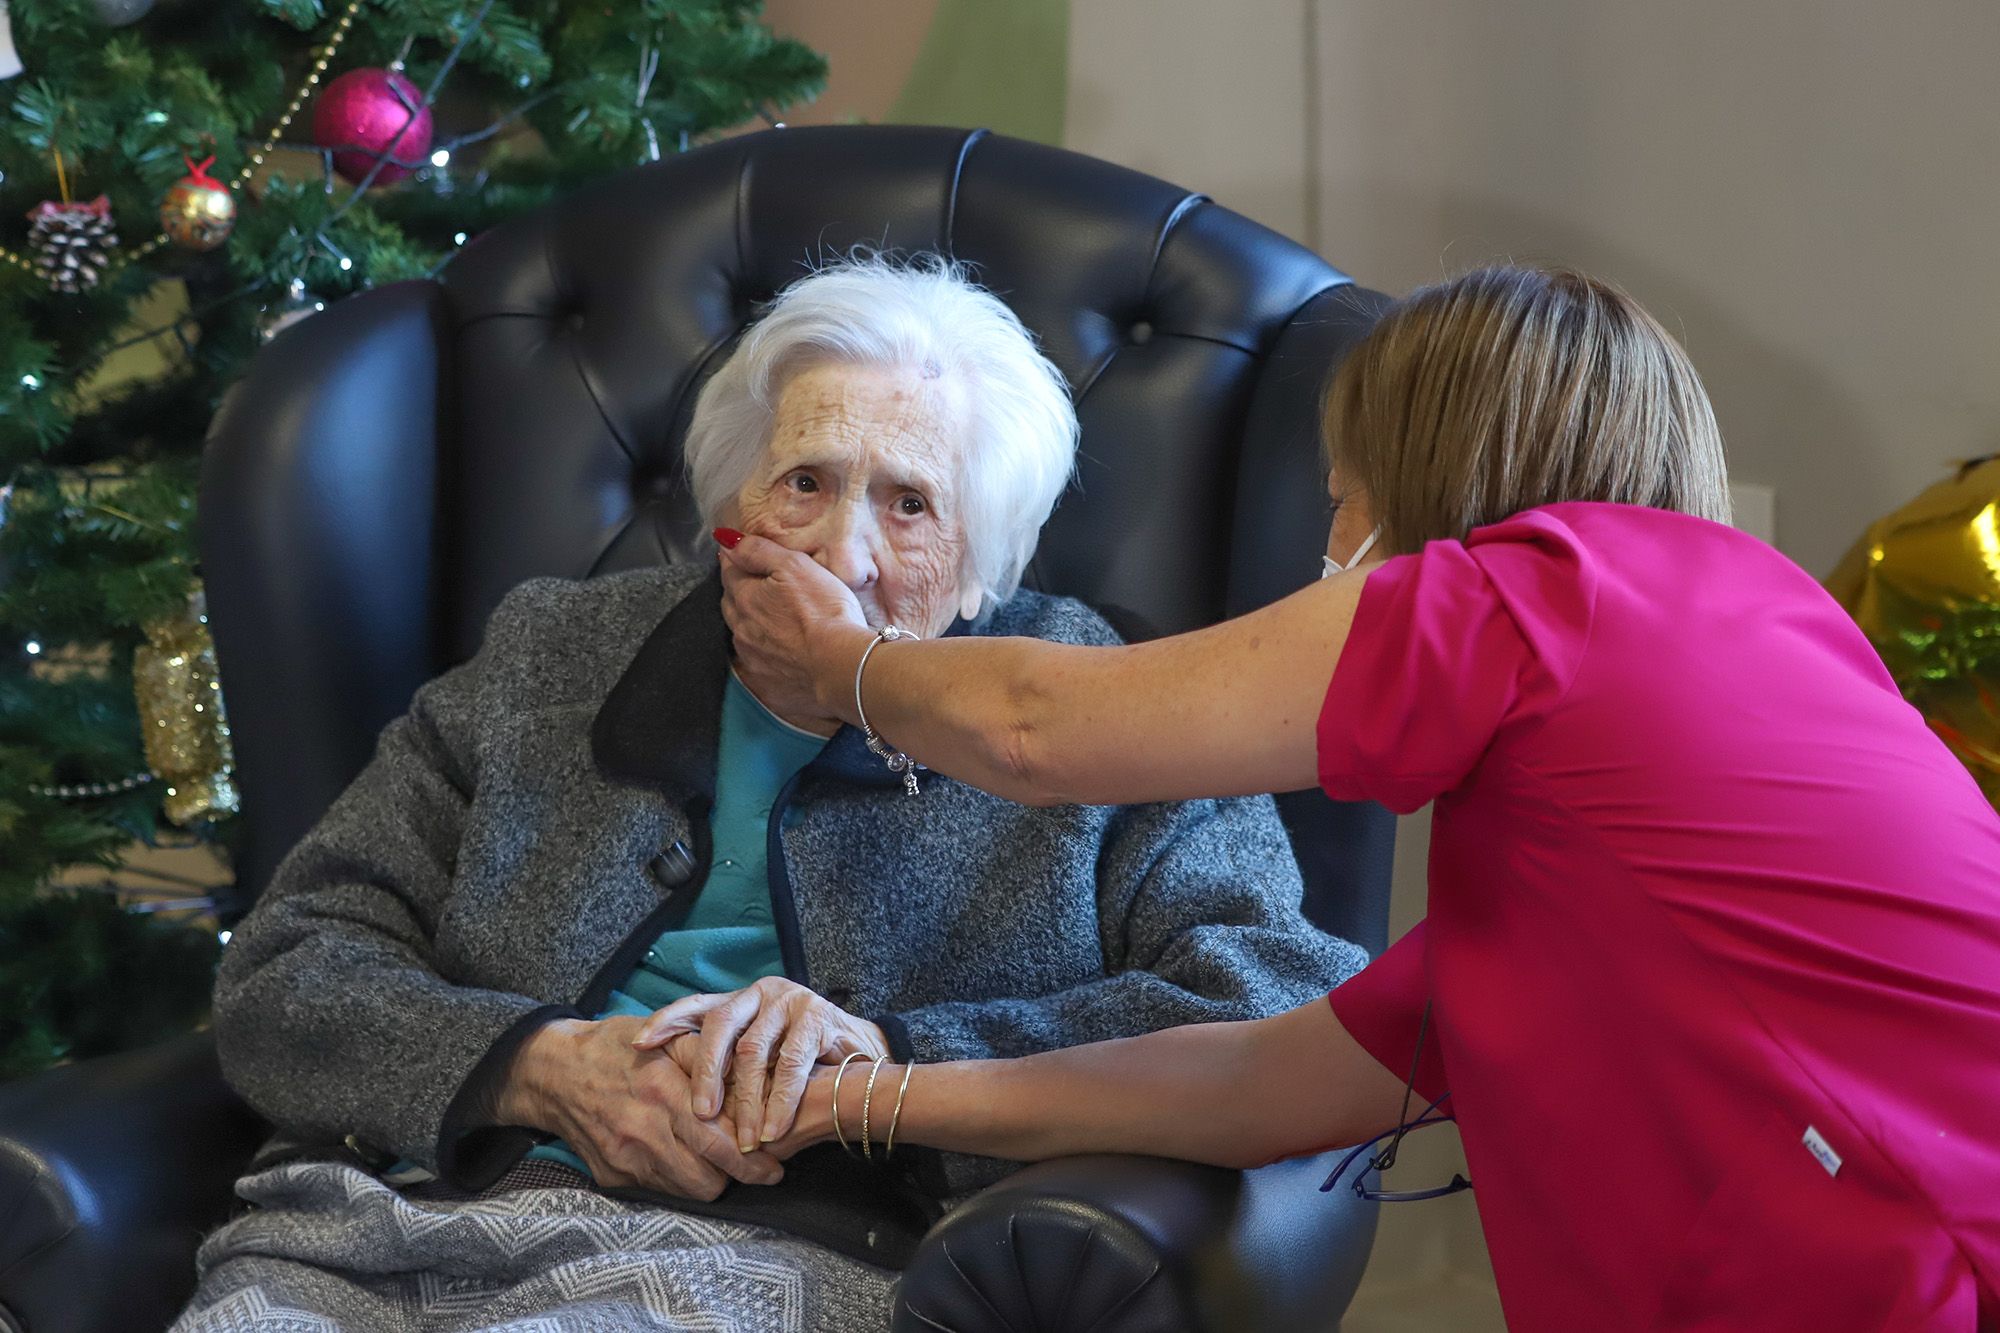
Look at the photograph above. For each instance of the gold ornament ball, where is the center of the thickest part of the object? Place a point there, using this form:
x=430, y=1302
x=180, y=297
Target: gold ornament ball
x=198, y=213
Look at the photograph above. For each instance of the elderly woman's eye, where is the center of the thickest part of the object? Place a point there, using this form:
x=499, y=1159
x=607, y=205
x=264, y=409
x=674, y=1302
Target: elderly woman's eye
x=911, y=505
x=803, y=482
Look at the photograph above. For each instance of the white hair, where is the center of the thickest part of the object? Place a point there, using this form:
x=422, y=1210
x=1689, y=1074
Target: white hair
x=1019, y=445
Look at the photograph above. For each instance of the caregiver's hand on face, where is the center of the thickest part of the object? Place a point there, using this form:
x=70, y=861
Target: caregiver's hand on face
x=782, y=605
x=627, y=1112
x=764, y=1040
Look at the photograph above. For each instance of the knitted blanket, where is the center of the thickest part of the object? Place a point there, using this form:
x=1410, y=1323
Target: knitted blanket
x=329, y=1247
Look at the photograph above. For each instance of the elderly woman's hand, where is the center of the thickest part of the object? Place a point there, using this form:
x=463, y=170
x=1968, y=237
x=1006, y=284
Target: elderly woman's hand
x=782, y=606
x=627, y=1112
x=765, y=1040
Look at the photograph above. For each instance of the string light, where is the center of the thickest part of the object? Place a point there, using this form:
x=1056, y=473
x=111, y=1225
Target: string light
x=32, y=647
x=442, y=157
x=31, y=381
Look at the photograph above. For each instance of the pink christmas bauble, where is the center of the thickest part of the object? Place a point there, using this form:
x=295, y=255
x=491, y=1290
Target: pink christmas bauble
x=363, y=112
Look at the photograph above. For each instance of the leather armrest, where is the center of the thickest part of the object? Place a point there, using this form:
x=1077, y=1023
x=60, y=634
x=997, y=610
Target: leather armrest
x=110, y=1172
x=1112, y=1244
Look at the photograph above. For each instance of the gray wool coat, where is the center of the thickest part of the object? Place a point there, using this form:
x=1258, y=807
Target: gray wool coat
x=539, y=816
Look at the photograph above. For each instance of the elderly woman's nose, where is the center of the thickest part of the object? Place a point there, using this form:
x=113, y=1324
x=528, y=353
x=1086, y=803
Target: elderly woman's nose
x=848, y=553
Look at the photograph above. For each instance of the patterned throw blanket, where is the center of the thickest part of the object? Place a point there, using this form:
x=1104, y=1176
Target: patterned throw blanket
x=327, y=1246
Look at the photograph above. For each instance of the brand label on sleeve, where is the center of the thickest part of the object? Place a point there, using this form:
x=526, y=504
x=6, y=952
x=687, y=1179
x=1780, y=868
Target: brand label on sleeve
x=1822, y=1151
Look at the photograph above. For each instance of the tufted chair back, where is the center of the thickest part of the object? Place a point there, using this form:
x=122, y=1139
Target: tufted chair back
x=390, y=468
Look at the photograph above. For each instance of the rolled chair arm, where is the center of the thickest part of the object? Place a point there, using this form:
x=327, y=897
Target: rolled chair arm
x=110, y=1172
x=1118, y=1244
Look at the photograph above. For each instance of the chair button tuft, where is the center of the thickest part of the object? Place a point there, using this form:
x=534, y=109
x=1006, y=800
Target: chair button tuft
x=1141, y=331
x=654, y=484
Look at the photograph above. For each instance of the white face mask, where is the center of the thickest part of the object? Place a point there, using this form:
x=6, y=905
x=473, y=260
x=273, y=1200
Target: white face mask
x=1329, y=566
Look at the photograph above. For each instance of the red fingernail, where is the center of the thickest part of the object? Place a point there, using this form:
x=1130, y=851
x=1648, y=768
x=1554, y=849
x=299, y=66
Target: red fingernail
x=728, y=537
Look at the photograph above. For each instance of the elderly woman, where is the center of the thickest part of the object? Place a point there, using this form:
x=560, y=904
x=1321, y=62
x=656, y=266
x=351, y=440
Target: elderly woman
x=449, y=1000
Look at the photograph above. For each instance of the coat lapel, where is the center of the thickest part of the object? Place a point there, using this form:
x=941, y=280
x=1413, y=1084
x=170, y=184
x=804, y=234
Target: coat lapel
x=661, y=723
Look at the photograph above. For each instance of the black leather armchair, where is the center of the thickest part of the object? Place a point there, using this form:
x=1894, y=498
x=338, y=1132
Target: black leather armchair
x=391, y=467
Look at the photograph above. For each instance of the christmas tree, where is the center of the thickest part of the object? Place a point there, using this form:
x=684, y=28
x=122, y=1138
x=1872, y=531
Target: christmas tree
x=180, y=180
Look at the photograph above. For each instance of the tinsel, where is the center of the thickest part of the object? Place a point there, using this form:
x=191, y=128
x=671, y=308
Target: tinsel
x=182, y=719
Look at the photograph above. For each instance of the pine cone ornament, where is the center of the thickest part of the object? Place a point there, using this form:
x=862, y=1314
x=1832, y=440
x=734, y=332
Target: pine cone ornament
x=72, y=242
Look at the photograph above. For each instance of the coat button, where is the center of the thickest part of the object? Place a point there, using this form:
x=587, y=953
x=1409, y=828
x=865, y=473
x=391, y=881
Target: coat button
x=372, y=1156
x=840, y=995
x=673, y=868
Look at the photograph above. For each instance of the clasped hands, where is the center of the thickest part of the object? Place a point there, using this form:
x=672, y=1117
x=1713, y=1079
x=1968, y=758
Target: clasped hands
x=702, y=1092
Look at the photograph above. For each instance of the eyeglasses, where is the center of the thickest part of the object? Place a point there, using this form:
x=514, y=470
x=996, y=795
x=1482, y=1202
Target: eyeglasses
x=1386, y=1158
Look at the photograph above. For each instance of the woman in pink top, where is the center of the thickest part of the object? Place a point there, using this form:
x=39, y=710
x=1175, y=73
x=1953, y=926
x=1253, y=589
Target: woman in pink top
x=1711, y=974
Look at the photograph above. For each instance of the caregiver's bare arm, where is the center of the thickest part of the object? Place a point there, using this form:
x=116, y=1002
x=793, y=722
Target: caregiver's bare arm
x=1225, y=711
x=1231, y=1094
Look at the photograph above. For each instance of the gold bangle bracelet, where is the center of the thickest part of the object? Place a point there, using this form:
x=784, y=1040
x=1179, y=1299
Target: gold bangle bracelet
x=868, y=1101
x=845, y=1145
x=889, y=1147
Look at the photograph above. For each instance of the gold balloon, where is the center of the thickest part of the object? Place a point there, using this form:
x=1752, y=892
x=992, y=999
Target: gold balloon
x=181, y=714
x=1924, y=585
x=198, y=212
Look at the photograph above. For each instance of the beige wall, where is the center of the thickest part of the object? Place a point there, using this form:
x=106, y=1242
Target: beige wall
x=1210, y=96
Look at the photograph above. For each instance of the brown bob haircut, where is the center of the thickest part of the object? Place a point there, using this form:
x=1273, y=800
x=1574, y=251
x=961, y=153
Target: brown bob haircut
x=1513, y=387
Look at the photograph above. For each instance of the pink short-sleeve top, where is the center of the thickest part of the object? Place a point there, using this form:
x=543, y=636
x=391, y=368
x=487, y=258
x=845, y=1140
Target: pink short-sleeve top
x=1713, y=941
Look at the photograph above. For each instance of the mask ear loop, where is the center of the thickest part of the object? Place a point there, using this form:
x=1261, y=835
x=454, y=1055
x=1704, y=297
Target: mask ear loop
x=1329, y=566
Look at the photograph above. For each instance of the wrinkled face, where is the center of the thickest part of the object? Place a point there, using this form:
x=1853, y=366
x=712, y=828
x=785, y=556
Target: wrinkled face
x=862, y=475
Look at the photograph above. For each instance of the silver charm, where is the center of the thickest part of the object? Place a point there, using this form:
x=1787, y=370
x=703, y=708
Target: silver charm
x=899, y=763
